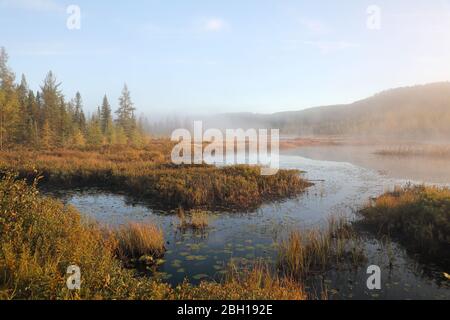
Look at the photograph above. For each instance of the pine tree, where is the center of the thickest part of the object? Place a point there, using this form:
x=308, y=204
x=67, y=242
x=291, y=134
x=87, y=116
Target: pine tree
x=106, y=121
x=79, y=116
x=46, y=120
x=125, y=113
x=24, y=134
x=52, y=104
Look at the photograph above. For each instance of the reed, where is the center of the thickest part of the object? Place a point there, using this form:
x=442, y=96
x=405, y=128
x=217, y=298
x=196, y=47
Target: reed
x=316, y=251
x=257, y=282
x=136, y=240
x=197, y=220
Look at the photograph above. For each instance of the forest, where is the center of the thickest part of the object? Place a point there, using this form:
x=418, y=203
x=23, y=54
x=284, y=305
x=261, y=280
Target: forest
x=46, y=119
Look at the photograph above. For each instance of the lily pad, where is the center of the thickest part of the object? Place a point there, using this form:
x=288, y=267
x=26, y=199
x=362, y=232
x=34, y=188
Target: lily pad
x=200, y=276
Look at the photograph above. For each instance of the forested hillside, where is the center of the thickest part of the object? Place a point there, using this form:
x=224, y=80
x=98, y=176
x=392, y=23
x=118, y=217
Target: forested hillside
x=419, y=112
x=416, y=112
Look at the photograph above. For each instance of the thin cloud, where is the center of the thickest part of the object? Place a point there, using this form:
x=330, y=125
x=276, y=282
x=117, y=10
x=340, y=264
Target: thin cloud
x=215, y=25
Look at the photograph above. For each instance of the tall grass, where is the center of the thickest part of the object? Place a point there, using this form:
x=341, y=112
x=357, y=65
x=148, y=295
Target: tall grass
x=312, y=252
x=258, y=282
x=135, y=240
x=418, y=216
x=148, y=174
x=40, y=238
x=196, y=220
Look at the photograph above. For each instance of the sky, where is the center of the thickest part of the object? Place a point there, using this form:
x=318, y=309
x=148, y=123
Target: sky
x=210, y=56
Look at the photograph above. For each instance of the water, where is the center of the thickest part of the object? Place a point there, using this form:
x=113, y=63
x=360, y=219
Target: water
x=340, y=188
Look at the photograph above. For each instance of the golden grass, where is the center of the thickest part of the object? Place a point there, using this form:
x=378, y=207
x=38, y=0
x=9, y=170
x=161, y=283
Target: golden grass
x=310, y=252
x=40, y=238
x=418, y=216
x=148, y=174
x=135, y=240
x=197, y=220
x=254, y=283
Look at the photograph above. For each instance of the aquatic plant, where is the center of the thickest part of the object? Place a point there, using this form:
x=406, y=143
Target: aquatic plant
x=257, y=282
x=315, y=251
x=197, y=220
x=138, y=240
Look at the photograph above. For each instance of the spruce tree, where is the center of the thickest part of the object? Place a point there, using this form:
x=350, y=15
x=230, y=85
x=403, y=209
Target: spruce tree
x=51, y=104
x=125, y=113
x=79, y=116
x=106, y=120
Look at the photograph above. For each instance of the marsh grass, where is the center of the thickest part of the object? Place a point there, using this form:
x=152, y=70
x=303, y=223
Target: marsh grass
x=313, y=252
x=196, y=220
x=256, y=282
x=417, y=216
x=40, y=238
x=149, y=175
x=136, y=240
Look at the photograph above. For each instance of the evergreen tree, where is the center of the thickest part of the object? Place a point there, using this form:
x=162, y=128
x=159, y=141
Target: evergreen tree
x=106, y=120
x=51, y=104
x=46, y=120
x=125, y=113
x=79, y=116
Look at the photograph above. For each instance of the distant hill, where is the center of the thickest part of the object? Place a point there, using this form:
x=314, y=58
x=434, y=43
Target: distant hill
x=415, y=112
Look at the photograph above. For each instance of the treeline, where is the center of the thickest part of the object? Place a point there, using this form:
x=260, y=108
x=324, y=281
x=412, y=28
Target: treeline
x=45, y=119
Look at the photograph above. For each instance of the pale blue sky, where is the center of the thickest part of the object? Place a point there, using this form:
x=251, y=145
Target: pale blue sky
x=231, y=55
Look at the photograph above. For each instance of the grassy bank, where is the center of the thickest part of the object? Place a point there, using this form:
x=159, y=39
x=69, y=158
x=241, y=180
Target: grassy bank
x=417, y=216
x=148, y=174
x=40, y=238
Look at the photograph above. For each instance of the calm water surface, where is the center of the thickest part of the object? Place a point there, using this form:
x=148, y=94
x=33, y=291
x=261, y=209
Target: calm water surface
x=340, y=188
